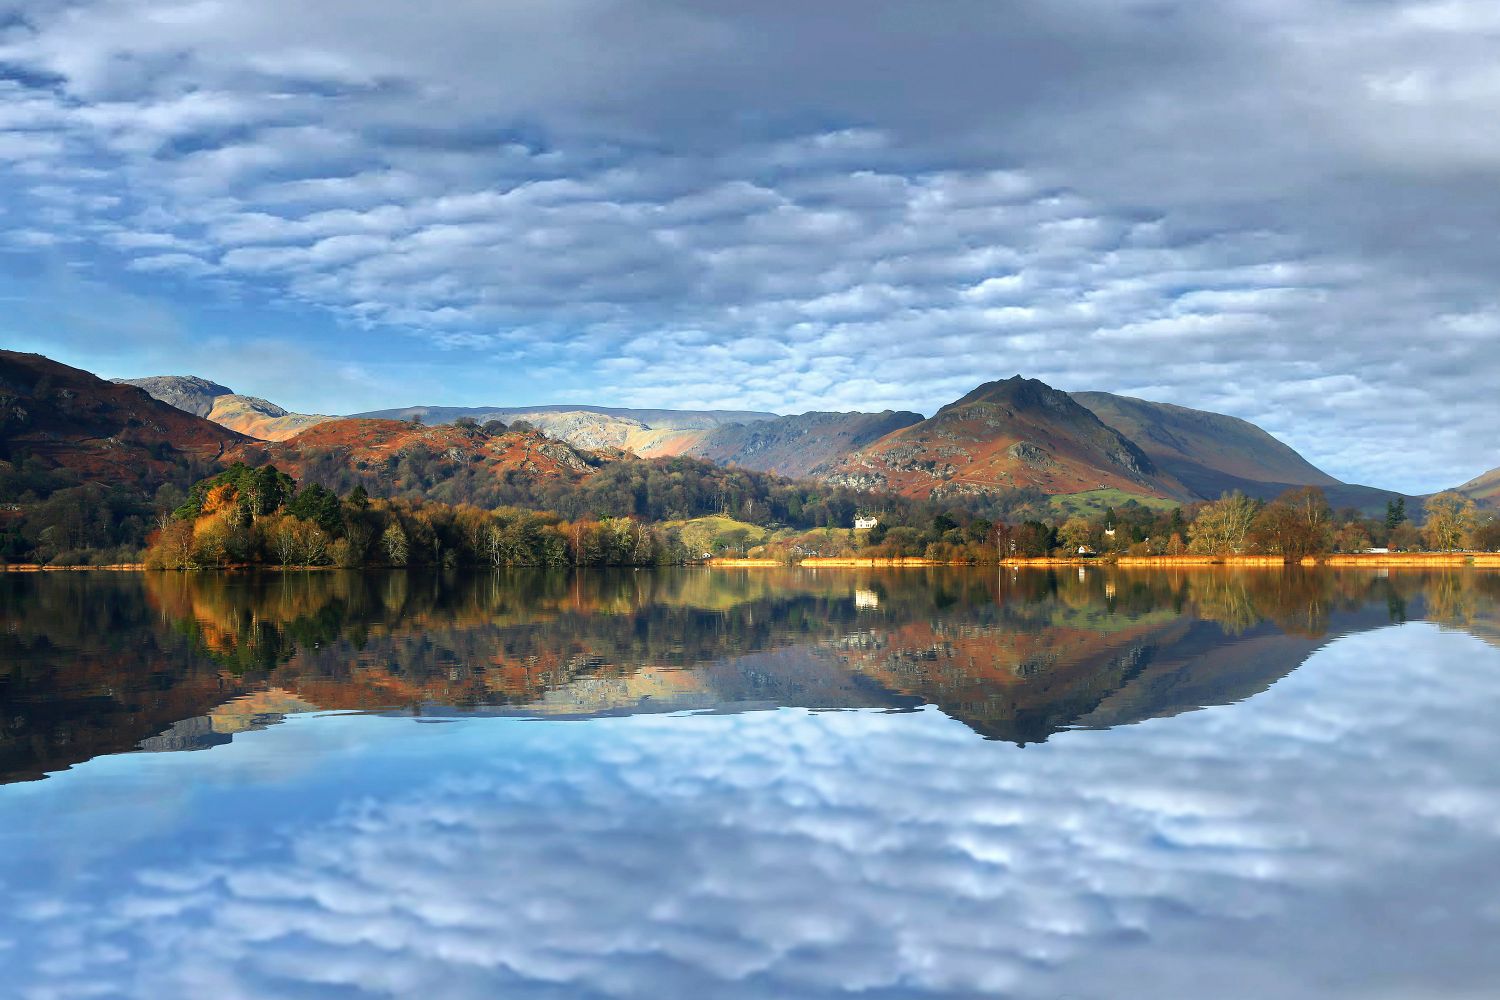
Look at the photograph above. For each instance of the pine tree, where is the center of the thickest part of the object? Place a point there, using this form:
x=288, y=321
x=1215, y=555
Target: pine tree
x=1395, y=512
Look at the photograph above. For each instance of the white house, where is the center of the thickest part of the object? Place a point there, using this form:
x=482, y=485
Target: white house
x=861, y=521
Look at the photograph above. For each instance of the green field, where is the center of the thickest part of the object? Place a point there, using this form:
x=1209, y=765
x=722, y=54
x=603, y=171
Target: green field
x=699, y=533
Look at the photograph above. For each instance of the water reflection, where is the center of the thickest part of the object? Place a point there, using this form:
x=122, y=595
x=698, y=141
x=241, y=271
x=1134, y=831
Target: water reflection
x=1332, y=833
x=105, y=663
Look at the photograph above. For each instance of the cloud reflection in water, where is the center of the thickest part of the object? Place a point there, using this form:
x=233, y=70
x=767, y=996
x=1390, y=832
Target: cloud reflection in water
x=1335, y=836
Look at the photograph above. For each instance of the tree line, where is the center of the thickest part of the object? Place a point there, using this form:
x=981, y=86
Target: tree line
x=261, y=516
x=1297, y=524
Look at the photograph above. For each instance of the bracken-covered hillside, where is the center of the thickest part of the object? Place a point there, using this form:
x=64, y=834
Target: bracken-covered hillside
x=63, y=418
x=449, y=462
x=1016, y=433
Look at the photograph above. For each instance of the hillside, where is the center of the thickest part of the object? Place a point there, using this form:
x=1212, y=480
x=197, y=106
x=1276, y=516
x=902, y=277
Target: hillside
x=258, y=418
x=585, y=429
x=249, y=415
x=1015, y=433
x=1213, y=454
x=1484, y=489
x=59, y=418
x=672, y=420
x=796, y=446
x=447, y=462
x=1208, y=452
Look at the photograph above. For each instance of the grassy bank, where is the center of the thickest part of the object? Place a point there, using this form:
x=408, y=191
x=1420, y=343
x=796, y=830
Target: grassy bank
x=1413, y=560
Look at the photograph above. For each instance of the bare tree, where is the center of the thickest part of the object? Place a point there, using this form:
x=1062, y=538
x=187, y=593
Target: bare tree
x=313, y=543
x=1224, y=525
x=284, y=540
x=1450, y=518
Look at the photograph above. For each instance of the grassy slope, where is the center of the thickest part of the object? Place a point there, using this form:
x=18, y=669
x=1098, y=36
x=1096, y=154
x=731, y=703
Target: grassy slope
x=1095, y=501
x=698, y=534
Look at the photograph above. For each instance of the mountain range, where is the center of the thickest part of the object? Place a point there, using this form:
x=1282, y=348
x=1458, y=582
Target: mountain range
x=1005, y=434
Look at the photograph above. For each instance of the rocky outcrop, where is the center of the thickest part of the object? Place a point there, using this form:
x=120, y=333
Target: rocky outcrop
x=248, y=415
x=188, y=393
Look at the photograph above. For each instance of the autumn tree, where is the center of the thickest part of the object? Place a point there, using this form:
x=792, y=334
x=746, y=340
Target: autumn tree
x=1223, y=526
x=1076, y=533
x=1405, y=538
x=1296, y=524
x=1486, y=536
x=393, y=541
x=173, y=546
x=1351, y=536
x=1450, y=518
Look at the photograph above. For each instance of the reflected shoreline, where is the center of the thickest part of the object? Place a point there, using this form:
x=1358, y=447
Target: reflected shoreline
x=110, y=663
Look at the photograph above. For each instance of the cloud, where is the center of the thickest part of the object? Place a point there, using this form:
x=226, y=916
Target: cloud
x=1215, y=208
x=1327, y=838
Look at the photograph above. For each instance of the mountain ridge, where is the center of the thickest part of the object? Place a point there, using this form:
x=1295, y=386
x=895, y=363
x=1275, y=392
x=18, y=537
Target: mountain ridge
x=1163, y=450
x=1007, y=434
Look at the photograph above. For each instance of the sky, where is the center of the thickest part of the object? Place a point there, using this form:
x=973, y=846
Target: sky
x=1285, y=210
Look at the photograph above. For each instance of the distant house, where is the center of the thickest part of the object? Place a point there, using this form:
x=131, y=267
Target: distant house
x=861, y=521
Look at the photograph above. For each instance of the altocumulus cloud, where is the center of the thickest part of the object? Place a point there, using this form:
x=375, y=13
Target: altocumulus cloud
x=1322, y=840
x=1280, y=210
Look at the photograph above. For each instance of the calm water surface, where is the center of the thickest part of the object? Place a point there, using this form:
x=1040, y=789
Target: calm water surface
x=766, y=784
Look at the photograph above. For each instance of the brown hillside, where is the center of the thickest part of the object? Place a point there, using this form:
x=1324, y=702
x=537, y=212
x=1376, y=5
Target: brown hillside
x=66, y=418
x=1009, y=434
x=259, y=418
x=1484, y=489
x=376, y=449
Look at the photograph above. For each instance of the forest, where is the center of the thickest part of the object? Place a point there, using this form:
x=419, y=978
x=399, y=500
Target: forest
x=628, y=513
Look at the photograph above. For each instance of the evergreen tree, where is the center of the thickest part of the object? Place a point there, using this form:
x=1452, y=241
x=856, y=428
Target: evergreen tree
x=1395, y=512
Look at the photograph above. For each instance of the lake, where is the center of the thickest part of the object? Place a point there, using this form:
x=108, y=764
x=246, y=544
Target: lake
x=757, y=783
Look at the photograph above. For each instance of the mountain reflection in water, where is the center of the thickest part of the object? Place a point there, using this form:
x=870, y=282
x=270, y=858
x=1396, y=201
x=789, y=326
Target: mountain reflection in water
x=610, y=786
x=95, y=664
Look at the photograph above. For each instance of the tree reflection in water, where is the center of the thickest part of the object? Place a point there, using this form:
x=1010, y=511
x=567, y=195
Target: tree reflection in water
x=102, y=663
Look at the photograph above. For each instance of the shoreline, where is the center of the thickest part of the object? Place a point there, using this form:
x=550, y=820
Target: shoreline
x=1409, y=560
